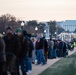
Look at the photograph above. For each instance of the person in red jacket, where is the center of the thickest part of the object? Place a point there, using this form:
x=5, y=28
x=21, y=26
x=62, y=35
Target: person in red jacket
x=40, y=50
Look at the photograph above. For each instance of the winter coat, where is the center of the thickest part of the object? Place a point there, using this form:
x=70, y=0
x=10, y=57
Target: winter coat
x=55, y=44
x=64, y=47
x=42, y=44
x=61, y=45
x=23, y=47
x=30, y=46
x=51, y=44
x=45, y=44
x=39, y=44
x=2, y=50
x=12, y=46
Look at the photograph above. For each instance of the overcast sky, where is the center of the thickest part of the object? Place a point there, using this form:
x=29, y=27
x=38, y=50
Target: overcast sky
x=40, y=9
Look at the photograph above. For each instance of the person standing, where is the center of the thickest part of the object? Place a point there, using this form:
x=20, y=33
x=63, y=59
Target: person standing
x=51, y=48
x=29, y=52
x=61, y=44
x=22, y=52
x=40, y=50
x=34, y=58
x=11, y=50
x=64, y=49
x=55, y=49
x=45, y=47
x=2, y=55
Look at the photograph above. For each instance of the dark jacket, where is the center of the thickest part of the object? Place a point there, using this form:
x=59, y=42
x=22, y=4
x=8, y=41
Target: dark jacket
x=45, y=45
x=12, y=46
x=30, y=46
x=61, y=45
x=22, y=47
x=64, y=47
x=51, y=44
x=55, y=44
x=2, y=50
x=40, y=44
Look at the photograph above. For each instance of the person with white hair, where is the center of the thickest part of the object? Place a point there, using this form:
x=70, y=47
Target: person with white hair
x=40, y=50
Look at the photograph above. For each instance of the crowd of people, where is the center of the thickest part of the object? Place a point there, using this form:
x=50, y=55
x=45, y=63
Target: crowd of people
x=19, y=51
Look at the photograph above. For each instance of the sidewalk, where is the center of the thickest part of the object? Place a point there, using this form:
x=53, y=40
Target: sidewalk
x=37, y=69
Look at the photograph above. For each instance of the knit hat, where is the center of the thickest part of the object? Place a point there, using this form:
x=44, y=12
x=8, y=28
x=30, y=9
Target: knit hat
x=9, y=28
x=19, y=30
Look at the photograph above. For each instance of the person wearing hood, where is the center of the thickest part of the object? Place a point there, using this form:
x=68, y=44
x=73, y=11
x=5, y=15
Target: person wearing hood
x=30, y=48
x=11, y=50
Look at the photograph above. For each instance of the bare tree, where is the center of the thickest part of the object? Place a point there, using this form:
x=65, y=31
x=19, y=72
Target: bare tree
x=8, y=20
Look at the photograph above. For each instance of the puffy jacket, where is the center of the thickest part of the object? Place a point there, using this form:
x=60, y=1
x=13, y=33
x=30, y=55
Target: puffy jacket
x=2, y=50
x=11, y=46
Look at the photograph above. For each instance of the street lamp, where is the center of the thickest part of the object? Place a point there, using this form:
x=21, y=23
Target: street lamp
x=44, y=32
x=36, y=29
x=22, y=25
x=55, y=34
x=3, y=33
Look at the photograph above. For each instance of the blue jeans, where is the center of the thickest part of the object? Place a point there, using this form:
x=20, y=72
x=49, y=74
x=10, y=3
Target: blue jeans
x=51, y=53
x=21, y=63
x=64, y=54
x=28, y=63
x=40, y=56
x=54, y=53
x=34, y=55
x=58, y=52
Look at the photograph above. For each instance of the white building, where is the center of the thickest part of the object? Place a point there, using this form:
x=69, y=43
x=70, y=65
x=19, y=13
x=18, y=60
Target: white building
x=59, y=23
x=69, y=25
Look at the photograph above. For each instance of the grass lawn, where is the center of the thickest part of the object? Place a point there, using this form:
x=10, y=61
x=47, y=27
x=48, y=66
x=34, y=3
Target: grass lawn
x=65, y=66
